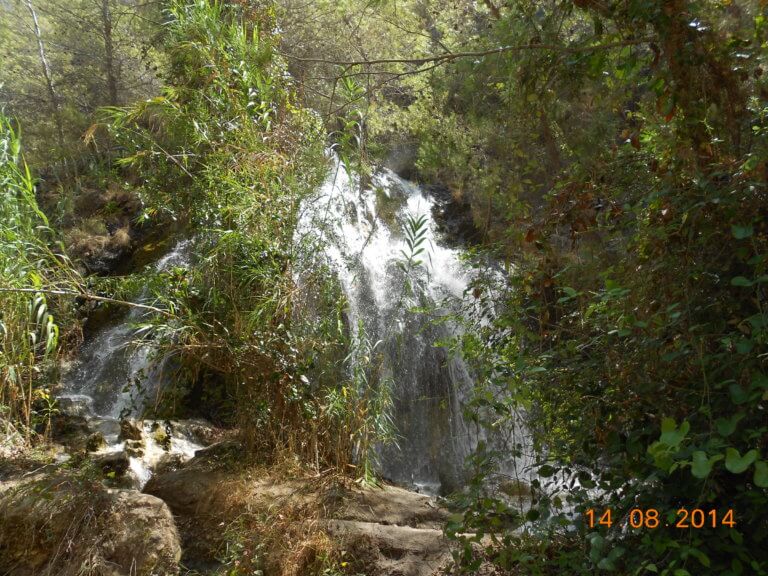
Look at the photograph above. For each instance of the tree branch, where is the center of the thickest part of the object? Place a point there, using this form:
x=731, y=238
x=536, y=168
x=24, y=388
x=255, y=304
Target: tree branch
x=86, y=296
x=449, y=56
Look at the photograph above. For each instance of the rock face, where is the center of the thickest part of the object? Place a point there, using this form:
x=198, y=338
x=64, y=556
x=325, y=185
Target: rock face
x=63, y=522
x=381, y=550
x=67, y=525
x=143, y=534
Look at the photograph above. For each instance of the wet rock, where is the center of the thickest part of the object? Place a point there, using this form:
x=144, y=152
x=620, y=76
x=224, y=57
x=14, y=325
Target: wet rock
x=72, y=431
x=113, y=464
x=227, y=451
x=453, y=216
x=402, y=158
x=95, y=442
x=75, y=405
x=161, y=435
x=168, y=463
x=109, y=428
x=134, y=448
x=198, y=431
x=65, y=524
x=131, y=430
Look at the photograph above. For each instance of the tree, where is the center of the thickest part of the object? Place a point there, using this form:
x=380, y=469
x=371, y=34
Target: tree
x=52, y=95
x=91, y=53
x=109, y=53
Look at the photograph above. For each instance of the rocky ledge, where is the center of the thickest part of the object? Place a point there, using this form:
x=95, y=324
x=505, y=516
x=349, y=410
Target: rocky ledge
x=57, y=522
x=211, y=515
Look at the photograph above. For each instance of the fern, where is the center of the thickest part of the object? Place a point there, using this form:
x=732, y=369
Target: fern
x=415, y=237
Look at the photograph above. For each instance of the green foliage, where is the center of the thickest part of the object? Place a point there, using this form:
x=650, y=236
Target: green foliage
x=98, y=53
x=29, y=335
x=612, y=154
x=226, y=149
x=415, y=232
x=361, y=409
x=351, y=118
x=626, y=190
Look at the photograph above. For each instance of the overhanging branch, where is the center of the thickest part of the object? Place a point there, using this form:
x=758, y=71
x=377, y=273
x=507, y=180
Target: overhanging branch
x=450, y=56
x=87, y=296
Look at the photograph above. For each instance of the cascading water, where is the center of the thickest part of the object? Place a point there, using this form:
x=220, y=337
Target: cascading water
x=359, y=234
x=110, y=370
x=111, y=378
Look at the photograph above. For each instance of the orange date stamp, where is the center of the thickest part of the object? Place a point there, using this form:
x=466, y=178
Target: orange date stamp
x=651, y=518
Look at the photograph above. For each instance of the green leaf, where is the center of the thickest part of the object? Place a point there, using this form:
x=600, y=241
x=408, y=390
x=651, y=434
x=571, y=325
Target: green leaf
x=727, y=426
x=761, y=474
x=546, y=471
x=738, y=395
x=736, y=463
x=741, y=281
x=671, y=435
x=744, y=346
x=702, y=464
x=606, y=564
x=597, y=544
x=661, y=456
x=741, y=232
x=759, y=380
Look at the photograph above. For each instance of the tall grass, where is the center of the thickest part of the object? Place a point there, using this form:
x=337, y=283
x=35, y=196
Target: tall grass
x=29, y=333
x=227, y=149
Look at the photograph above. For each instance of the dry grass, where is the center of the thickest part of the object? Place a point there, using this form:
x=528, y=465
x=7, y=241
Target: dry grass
x=121, y=239
x=269, y=519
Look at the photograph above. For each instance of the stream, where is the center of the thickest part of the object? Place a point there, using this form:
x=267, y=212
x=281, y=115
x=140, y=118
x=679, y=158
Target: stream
x=112, y=379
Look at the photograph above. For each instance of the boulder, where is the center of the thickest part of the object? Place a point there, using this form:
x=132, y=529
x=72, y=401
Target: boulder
x=67, y=524
x=198, y=431
x=75, y=405
x=112, y=464
x=161, y=435
x=142, y=533
x=134, y=448
x=131, y=430
x=95, y=442
x=71, y=430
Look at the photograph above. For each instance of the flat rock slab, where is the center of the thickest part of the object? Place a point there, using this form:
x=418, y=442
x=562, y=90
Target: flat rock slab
x=390, y=550
x=384, y=531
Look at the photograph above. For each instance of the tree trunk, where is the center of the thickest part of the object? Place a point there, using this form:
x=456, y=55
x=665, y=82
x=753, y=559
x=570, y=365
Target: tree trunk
x=52, y=95
x=109, y=62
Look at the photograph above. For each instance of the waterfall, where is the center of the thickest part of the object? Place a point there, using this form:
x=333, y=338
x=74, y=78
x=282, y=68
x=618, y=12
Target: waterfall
x=110, y=380
x=359, y=235
x=111, y=372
